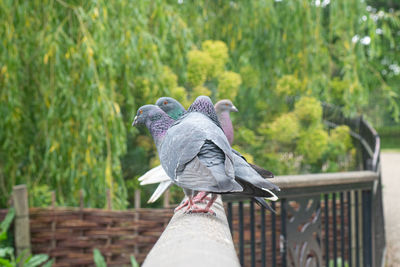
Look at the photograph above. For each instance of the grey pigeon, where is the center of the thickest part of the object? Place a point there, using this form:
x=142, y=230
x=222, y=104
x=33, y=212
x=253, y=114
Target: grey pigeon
x=223, y=108
x=253, y=184
x=220, y=116
x=193, y=151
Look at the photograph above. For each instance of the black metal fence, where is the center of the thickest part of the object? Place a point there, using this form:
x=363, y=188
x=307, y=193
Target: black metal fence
x=335, y=221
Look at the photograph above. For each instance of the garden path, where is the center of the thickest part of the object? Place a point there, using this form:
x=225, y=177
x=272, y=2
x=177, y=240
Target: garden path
x=391, y=202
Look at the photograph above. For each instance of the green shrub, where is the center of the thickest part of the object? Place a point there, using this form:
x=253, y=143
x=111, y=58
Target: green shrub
x=285, y=129
x=312, y=144
x=308, y=110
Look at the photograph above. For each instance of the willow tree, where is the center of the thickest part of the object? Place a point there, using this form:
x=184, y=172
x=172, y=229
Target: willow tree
x=73, y=73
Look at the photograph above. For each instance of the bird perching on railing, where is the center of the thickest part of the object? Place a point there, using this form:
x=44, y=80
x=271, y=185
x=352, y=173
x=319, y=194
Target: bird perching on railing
x=196, y=155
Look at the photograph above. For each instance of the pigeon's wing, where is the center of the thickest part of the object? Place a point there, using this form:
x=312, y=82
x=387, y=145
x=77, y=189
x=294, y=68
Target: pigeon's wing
x=196, y=176
x=251, y=181
x=261, y=171
x=162, y=187
x=186, y=148
x=153, y=176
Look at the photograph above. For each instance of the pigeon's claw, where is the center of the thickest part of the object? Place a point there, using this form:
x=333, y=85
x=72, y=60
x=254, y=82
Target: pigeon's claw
x=184, y=204
x=200, y=210
x=191, y=209
x=200, y=197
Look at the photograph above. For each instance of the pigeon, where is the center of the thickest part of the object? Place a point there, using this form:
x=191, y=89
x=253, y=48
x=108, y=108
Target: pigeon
x=199, y=161
x=222, y=108
x=254, y=185
x=172, y=107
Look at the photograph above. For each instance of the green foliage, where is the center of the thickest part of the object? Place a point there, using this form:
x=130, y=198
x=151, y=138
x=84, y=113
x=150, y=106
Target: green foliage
x=218, y=52
x=73, y=74
x=98, y=258
x=308, y=110
x=389, y=137
x=228, y=84
x=134, y=263
x=312, y=144
x=340, y=140
x=7, y=257
x=40, y=196
x=37, y=260
x=200, y=90
x=301, y=144
x=289, y=85
x=199, y=66
x=5, y=224
x=285, y=129
x=206, y=72
x=100, y=262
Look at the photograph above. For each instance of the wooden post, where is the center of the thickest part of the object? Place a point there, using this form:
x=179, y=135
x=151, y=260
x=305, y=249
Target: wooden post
x=22, y=229
x=81, y=215
x=81, y=202
x=166, y=199
x=109, y=205
x=137, y=199
x=137, y=216
x=53, y=223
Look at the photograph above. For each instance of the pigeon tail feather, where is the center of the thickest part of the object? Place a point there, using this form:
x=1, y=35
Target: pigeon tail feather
x=153, y=176
x=260, y=201
x=162, y=187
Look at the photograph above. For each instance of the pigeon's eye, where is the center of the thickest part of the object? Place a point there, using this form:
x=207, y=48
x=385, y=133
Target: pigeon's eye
x=226, y=104
x=165, y=102
x=140, y=111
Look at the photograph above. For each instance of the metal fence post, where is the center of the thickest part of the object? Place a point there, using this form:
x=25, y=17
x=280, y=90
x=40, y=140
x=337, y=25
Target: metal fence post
x=367, y=228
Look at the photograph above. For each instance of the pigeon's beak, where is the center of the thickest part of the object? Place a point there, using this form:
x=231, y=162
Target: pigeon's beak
x=134, y=123
x=234, y=109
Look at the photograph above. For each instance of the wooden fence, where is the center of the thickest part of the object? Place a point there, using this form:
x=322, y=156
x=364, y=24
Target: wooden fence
x=69, y=235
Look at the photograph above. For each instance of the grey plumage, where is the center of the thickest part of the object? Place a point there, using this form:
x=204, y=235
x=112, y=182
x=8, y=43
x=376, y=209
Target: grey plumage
x=196, y=155
x=210, y=169
x=253, y=184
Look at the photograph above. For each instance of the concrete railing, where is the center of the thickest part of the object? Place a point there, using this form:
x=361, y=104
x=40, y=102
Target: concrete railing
x=195, y=240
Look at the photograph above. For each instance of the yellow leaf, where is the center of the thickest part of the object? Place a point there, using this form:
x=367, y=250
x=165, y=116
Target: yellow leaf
x=108, y=174
x=88, y=158
x=90, y=51
x=116, y=107
x=46, y=59
x=104, y=13
x=3, y=69
x=95, y=13
x=54, y=147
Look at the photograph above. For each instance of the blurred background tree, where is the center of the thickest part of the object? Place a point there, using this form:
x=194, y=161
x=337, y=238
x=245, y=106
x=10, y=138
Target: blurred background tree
x=72, y=75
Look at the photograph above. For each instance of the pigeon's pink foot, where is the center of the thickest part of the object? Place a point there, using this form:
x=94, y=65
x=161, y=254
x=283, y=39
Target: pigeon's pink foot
x=184, y=204
x=207, y=209
x=201, y=197
x=190, y=208
x=199, y=210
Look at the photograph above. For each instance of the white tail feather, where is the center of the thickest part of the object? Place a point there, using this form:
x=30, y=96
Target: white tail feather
x=162, y=187
x=273, y=198
x=153, y=176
